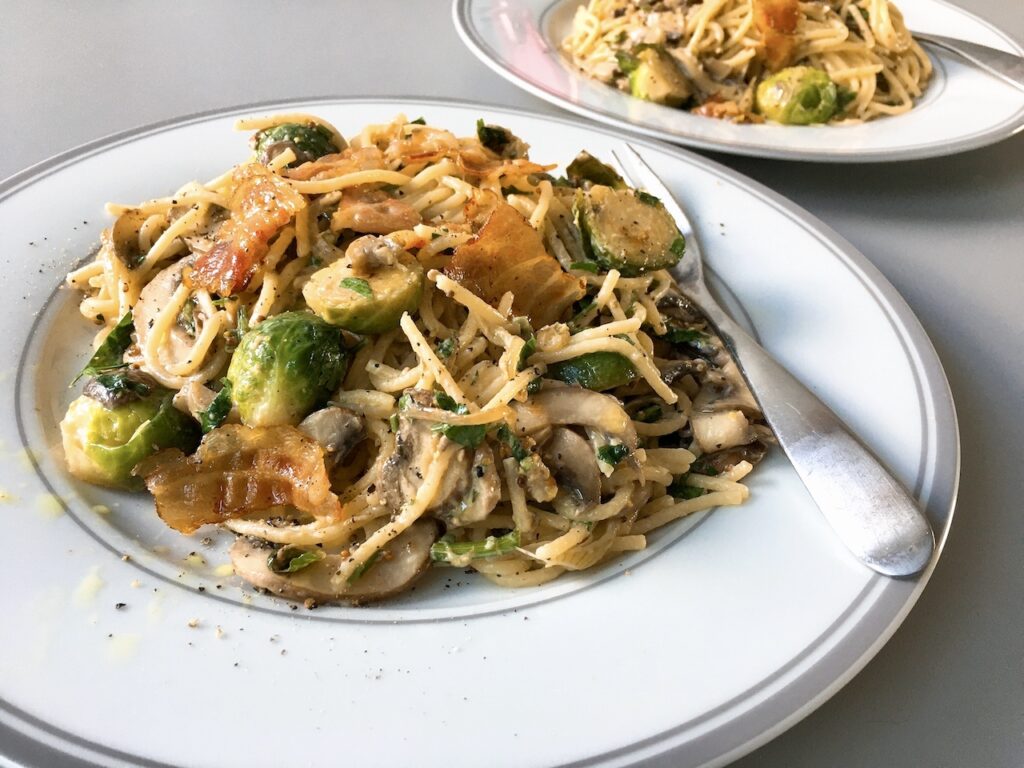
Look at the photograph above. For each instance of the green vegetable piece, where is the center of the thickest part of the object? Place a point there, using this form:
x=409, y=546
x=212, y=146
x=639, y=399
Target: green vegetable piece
x=291, y=558
x=586, y=170
x=648, y=415
x=393, y=290
x=418, y=121
x=308, y=142
x=622, y=232
x=657, y=77
x=109, y=355
x=612, y=454
x=118, y=387
x=103, y=445
x=534, y=386
x=647, y=198
x=693, y=340
x=446, y=347
x=585, y=266
x=528, y=349
x=469, y=435
x=680, y=490
x=285, y=367
x=217, y=411
x=515, y=447
x=357, y=574
x=595, y=370
x=447, y=550
x=798, y=96
x=360, y=286
x=499, y=140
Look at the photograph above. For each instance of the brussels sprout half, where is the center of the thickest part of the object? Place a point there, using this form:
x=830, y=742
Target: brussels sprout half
x=103, y=445
x=366, y=303
x=285, y=367
x=595, y=370
x=308, y=142
x=654, y=75
x=627, y=230
x=798, y=96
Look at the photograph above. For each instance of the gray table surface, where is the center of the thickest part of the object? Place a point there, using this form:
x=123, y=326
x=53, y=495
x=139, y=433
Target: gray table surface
x=948, y=689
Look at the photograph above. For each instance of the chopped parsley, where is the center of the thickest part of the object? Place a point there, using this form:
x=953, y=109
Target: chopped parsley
x=358, y=285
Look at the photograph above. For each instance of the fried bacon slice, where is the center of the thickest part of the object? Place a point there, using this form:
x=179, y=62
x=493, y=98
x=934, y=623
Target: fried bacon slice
x=261, y=205
x=368, y=209
x=509, y=255
x=350, y=160
x=236, y=471
x=777, y=20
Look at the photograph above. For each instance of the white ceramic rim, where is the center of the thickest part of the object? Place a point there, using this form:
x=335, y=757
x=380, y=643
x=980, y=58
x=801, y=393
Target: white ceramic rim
x=476, y=43
x=28, y=740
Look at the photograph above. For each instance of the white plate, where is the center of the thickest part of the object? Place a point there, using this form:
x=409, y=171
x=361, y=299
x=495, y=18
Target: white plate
x=962, y=108
x=694, y=651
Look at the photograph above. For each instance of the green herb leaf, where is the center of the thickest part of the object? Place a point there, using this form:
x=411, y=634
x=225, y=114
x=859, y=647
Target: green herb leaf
x=469, y=435
x=627, y=62
x=358, y=285
x=680, y=490
x=612, y=454
x=515, y=447
x=121, y=386
x=448, y=403
x=494, y=137
x=217, y=411
x=585, y=266
x=648, y=415
x=646, y=197
x=418, y=121
x=357, y=574
x=534, y=386
x=528, y=349
x=678, y=247
x=109, y=356
x=291, y=558
x=446, y=347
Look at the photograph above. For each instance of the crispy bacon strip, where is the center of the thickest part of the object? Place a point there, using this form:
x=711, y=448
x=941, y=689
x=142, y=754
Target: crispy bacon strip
x=236, y=471
x=777, y=20
x=261, y=205
x=509, y=255
x=367, y=209
x=331, y=166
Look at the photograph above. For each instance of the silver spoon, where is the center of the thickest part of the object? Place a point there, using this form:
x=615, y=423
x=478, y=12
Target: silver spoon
x=866, y=506
x=1008, y=67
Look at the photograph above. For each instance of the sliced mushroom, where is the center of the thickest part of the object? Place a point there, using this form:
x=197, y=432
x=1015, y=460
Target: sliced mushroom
x=124, y=237
x=369, y=253
x=338, y=430
x=573, y=464
x=470, y=488
x=403, y=562
x=723, y=461
x=131, y=386
x=572, y=405
x=153, y=298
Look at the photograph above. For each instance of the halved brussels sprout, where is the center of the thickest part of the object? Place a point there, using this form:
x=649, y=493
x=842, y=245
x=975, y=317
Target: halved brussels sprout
x=103, y=445
x=366, y=299
x=798, y=96
x=586, y=170
x=595, y=370
x=654, y=75
x=308, y=142
x=284, y=368
x=627, y=230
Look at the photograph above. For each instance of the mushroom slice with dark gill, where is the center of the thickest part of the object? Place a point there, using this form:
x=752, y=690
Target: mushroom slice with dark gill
x=470, y=488
x=573, y=464
x=337, y=429
x=573, y=405
x=403, y=561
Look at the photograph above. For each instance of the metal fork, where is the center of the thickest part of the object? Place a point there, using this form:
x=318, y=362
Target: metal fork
x=1008, y=67
x=867, y=507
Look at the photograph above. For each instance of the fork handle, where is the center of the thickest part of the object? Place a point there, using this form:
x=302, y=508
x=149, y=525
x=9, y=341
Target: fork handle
x=867, y=507
x=1008, y=67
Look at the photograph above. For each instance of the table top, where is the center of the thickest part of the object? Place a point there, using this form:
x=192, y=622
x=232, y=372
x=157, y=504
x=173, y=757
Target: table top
x=948, y=689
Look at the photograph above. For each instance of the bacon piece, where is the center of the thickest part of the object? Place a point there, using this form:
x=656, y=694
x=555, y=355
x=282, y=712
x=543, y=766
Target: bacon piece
x=370, y=210
x=509, y=255
x=331, y=166
x=236, y=471
x=777, y=21
x=261, y=205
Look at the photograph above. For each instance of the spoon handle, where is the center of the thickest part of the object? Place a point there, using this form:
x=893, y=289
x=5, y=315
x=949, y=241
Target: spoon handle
x=867, y=507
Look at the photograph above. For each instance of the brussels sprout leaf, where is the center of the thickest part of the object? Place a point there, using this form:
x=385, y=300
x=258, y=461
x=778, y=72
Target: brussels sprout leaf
x=109, y=356
x=218, y=410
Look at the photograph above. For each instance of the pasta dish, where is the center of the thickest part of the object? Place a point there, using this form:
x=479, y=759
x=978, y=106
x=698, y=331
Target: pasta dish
x=789, y=61
x=368, y=356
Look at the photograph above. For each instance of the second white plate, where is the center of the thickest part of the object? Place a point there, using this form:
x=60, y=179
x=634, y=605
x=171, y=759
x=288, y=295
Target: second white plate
x=963, y=108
